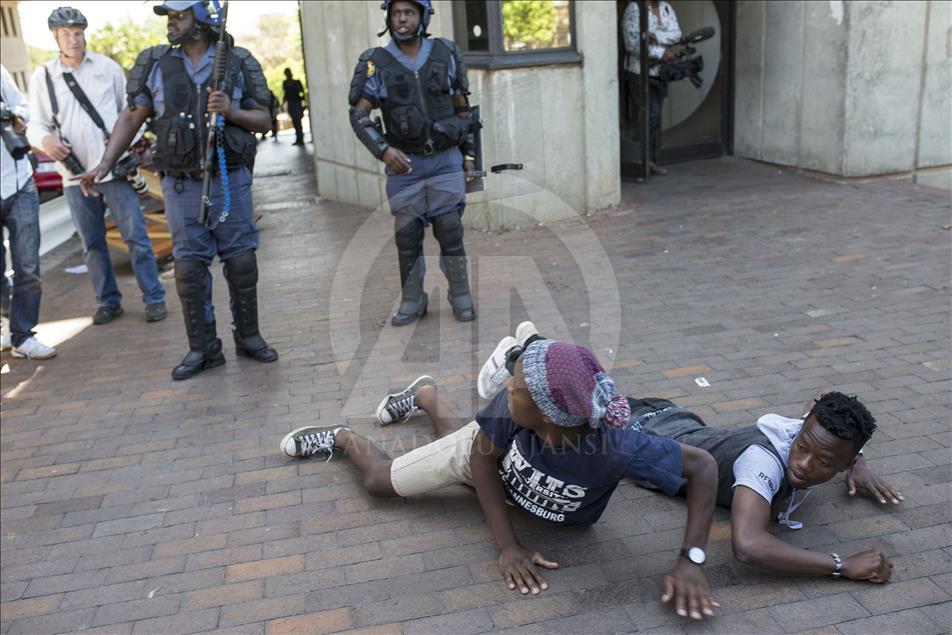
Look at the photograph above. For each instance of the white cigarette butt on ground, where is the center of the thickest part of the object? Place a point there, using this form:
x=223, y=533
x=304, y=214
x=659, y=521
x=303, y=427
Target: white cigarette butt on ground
x=702, y=382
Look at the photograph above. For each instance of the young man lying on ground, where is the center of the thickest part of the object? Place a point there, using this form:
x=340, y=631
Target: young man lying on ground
x=555, y=443
x=762, y=466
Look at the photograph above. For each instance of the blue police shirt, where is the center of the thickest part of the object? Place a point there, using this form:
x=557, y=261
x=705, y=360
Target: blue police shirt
x=374, y=89
x=154, y=97
x=572, y=485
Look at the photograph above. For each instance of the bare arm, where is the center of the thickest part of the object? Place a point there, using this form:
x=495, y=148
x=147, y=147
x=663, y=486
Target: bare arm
x=686, y=583
x=516, y=563
x=753, y=544
x=122, y=135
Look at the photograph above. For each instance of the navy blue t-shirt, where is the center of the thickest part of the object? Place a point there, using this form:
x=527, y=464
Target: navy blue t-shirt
x=572, y=484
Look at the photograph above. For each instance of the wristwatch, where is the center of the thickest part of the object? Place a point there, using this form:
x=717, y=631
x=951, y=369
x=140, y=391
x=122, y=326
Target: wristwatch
x=694, y=554
x=837, y=565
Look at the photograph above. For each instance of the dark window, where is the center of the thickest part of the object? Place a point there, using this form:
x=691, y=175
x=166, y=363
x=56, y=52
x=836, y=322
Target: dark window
x=513, y=33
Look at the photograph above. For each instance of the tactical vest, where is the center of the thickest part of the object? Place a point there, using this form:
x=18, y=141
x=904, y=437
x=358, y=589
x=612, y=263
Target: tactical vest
x=416, y=100
x=725, y=446
x=181, y=132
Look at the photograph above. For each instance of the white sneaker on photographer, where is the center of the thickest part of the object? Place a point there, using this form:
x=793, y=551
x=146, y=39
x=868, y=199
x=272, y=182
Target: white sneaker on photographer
x=33, y=348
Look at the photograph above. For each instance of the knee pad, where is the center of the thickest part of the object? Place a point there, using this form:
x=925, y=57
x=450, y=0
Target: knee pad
x=448, y=230
x=408, y=232
x=242, y=270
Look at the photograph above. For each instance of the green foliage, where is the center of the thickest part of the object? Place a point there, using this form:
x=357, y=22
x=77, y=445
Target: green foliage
x=124, y=41
x=278, y=46
x=528, y=24
x=39, y=56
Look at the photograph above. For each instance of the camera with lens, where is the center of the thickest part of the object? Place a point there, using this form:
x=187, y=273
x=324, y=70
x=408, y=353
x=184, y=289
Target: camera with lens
x=16, y=143
x=71, y=162
x=125, y=167
x=687, y=62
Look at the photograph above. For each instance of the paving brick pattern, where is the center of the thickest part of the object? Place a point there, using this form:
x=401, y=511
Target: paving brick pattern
x=134, y=504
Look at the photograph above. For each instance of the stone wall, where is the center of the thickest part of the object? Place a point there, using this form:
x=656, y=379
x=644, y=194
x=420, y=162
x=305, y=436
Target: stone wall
x=855, y=89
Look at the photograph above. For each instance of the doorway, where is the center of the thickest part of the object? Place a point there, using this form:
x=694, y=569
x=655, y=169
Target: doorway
x=696, y=123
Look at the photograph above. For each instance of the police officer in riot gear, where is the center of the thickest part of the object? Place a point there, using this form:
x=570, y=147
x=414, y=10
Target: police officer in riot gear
x=172, y=84
x=420, y=86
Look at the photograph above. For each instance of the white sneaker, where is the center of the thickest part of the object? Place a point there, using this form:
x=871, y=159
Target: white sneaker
x=494, y=374
x=524, y=331
x=33, y=348
x=5, y=341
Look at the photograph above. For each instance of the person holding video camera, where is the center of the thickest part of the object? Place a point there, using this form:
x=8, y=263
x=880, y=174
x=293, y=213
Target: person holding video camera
x=663, y=31
x=76, y=99
x=20, y=208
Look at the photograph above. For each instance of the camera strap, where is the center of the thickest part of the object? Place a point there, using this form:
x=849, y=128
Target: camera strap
x=54, y=105
x=83, y=100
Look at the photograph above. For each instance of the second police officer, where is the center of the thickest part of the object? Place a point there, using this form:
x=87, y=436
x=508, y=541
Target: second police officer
x=420, y=86
x=172, y=85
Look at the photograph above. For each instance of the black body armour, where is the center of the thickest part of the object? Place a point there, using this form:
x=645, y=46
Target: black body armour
x=418, y=100
x=181, y=132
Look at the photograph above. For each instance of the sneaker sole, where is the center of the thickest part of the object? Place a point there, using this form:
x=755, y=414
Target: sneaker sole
x=413, y=386
x=39, y=358
x=490, y=367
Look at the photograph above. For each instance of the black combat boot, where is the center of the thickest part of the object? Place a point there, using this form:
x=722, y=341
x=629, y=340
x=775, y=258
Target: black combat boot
x=204, y=347
x=458, y=294
x=413, y=301
x=241, y=272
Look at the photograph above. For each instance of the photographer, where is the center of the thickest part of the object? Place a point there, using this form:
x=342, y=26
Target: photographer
x=76, y=99
x=21, y=216
x=663, y=31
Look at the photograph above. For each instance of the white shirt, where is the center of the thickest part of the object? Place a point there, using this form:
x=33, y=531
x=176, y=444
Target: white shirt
x=104, y=84
x=13, y=174
x=760, y=470
x=667, y=31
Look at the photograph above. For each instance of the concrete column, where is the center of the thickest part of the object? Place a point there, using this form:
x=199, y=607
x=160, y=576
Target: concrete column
x=593, y=22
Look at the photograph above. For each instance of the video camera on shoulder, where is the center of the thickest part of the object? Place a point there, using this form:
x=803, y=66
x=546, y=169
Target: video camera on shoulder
x=687, y=62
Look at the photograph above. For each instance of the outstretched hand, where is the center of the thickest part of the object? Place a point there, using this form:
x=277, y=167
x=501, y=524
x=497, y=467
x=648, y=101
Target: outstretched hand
x=861, y=478
x=89, y=179
x=689, y=589
x=517, y=564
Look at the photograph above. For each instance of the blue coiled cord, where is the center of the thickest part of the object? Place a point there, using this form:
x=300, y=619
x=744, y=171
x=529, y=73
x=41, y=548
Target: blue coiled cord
x=222, y=168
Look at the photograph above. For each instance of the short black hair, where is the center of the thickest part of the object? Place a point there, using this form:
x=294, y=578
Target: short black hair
x=845, y=417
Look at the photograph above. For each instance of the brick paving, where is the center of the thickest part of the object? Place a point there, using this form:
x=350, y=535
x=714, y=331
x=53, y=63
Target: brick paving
x=134, y=504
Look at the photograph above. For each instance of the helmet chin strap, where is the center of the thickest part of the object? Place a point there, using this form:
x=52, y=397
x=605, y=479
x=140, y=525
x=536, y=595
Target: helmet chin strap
x=195, y=34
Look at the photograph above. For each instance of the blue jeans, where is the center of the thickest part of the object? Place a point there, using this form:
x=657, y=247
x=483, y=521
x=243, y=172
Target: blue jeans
x=21, y=217
x=89, y=218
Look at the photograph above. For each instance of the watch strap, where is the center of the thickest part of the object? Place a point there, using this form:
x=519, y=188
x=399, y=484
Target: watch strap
x=837, y=565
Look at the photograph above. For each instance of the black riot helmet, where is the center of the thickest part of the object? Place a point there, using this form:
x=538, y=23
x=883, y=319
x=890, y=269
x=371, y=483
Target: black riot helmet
x=426, y=10
x=66, y=16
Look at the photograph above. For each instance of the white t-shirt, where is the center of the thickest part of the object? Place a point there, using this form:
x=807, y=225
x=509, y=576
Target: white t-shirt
x=760, y=470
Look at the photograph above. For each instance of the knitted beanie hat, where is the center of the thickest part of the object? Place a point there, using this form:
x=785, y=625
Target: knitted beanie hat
x=571, y=388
